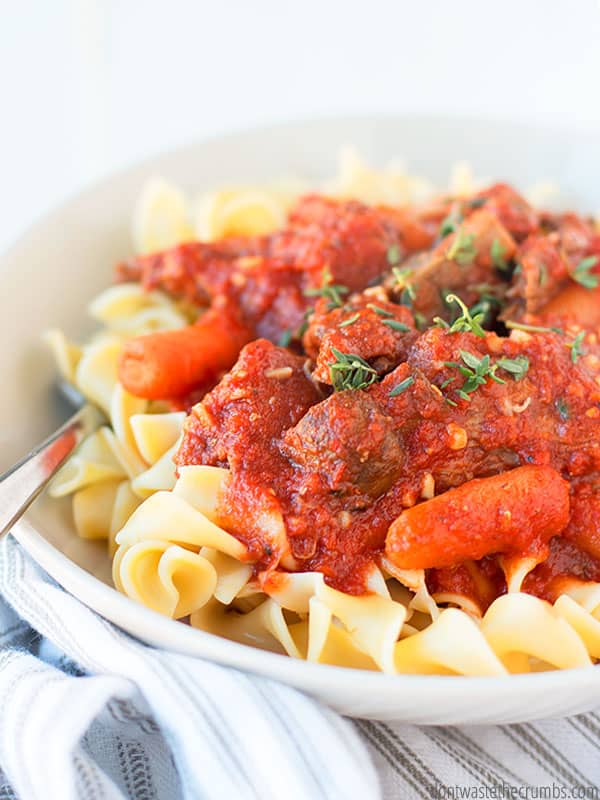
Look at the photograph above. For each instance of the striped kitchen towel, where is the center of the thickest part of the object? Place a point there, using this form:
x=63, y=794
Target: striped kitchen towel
x=88, y=712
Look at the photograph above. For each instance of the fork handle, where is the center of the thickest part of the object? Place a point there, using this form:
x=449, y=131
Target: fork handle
x=25, y=480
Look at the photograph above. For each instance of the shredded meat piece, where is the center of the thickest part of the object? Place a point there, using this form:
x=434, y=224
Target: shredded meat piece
x=460, y=263
x=351, y=442
x=511, y=209
x=541, y=273
x=368, y=325
x=264, y=394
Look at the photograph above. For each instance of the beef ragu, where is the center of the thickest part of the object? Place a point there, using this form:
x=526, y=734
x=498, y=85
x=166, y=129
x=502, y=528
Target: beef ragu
x=418, y=384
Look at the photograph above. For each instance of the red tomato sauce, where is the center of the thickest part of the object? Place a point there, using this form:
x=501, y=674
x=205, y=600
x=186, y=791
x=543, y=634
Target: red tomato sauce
x=370, y=413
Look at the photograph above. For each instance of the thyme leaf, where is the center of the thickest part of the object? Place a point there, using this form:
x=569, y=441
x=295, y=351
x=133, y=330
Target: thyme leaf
x=462, y=250
x=350, y=321
x=497, y=252
x=378, y=310
x=394, y=255
x=466, y=323
x=517, y=367
x=350, y=371
x=576, y=348
x=395, y=325
x=520, y=326
x=330, y=291
x=285, y=338
x=402, y=386
x=583, y=275
x=476, y=371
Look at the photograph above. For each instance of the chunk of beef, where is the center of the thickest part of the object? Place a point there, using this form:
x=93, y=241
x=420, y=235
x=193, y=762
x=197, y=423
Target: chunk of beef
x=348, y=238
x=350, y=442
x=460, y=263
x=540, y=274
x=577, y=235
x=511, y=209
x=549, y=415
x=368, y=325
x=265, y=393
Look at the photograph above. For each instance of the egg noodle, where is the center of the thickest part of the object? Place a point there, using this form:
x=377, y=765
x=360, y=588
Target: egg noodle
x=170, y=553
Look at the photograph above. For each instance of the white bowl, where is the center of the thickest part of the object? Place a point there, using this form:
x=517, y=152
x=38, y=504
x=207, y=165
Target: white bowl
x=56, y=268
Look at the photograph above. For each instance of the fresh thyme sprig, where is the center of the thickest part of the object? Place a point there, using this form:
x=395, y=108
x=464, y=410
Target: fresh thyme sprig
x=350, y=371
x=330, y=291
x=476, y=372
x=394, y=255
x=401, y=276
x=517, y=367
x=450, y=224
x=497, y=253
x=462, y=250
x=576, y=348
x=466, y=323
x=583, y=275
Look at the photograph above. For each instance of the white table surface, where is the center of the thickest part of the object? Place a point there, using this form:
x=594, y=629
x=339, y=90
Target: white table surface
x=87, y=86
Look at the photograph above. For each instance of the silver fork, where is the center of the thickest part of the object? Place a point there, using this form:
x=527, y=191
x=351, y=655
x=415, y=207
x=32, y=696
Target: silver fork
x=23, y=482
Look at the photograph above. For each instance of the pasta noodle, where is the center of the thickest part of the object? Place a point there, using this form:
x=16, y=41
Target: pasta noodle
x=170, y=547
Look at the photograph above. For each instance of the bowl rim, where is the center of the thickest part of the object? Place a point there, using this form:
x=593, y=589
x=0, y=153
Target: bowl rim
x=527, y=123
x=88, y=588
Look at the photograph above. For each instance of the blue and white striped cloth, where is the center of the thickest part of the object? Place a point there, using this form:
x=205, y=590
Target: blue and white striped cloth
x=88, y=713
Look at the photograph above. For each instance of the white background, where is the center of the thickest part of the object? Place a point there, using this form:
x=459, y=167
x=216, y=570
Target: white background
x=87, y=86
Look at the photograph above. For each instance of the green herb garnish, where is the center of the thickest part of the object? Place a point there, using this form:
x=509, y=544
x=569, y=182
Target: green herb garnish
x=303, y=327
x=562, y=408
x=449, y=224
x=520, y=326
x=484, y=306
x=477, y=202
x=408, y=291
x=350, y=321
x=330, y=291
x=462, y=250
x=497, y=252
x=476, y=372
x=394, y=255
x=350, y=371
x=395, y=325
x=401, y=274
x=583, y=275
x=402, y=386
x=466, y=323
x=378, y=310
x=543, y=275
x=285, y=338
x=516, y=366
x=576, y=348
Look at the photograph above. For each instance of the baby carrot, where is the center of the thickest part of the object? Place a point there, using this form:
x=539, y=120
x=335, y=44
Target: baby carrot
x=171, y=363
x=514, y=512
